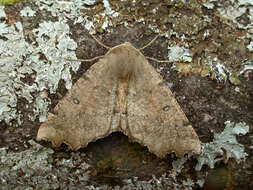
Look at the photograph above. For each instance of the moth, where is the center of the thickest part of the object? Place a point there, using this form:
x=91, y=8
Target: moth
x=121, y=92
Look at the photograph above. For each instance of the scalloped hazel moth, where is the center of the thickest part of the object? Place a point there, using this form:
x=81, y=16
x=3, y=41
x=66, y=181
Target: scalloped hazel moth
x=121, y=92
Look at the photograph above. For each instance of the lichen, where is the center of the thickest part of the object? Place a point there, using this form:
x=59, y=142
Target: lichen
x=54, y=43
x=27, y=11
x=247, y=66
x=224, y=146
x=178, y=164
x=177, y=53
x=40, y=109
x=37, y=159
x=245, y=2
x=37, y=168
x=2, y=13
x=11, y=72
x=250, y=46
x=73, y=10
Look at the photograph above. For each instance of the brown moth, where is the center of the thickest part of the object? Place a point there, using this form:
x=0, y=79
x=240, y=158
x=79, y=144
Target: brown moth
x=121, y=92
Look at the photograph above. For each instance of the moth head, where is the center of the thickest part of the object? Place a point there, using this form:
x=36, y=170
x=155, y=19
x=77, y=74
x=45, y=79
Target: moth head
x=123, y=60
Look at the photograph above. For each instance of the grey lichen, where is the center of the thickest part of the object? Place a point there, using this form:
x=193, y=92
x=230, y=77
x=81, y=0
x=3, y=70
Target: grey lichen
x=245, y=2
x=11, y=72
x=40, y=109
x=73, y=10
x=250, y=46
x=224, y=146
x=52, y=41
x=178, y=164
x=56, y=45
x=179, y=54
x=166, y=181
x=247, y=66
x=188, y=184
x=2, y=13
x=37, y=159
x=27, y=11
x=37, y=168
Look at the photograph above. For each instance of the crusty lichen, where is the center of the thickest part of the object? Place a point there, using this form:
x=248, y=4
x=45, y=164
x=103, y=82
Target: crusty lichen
x=224, y=146
x=52, y=41
x=36, y=168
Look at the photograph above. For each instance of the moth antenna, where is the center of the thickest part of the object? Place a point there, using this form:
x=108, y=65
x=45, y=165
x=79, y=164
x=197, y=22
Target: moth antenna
x=154, y=39
x=163, y=61
x=100, y=43
x=86, y=60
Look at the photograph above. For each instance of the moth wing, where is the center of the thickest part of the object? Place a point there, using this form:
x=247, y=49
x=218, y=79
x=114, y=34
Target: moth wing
x=155, y=119
x=84, y=114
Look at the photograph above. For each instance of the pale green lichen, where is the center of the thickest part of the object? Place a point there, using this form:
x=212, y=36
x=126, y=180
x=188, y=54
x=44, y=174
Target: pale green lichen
x=27, y=12
x=62, y=9
x=40, y=109
x=234, y=10
x=250, y=46
x=2, y=13
x=178, y=164
x=224, y=146
x=247, y=66
x=177, y=53
x=166, y=181
x=37, y=168
x=245, y=2
x=218, y=69
x=11, y=72
x=35, y=158
x=52, y=41
x=73, y=10
x=209, y=4
x=188, y=184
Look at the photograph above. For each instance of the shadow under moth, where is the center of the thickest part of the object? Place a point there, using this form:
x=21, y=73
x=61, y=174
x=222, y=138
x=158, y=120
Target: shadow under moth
x=121, y=92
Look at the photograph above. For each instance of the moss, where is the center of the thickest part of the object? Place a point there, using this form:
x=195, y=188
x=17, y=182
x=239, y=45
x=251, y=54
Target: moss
x=11, y=2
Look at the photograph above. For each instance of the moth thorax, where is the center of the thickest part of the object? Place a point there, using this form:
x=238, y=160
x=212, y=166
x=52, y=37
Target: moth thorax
x=124, y=70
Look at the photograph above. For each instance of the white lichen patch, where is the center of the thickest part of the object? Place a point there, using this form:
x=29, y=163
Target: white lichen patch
x=188, y=184
x=232, y=12
x=250, y=46
x=236, y=9
x=224, y=146
x=217, y=69
x=2, y=13
x=179, y=54
x=245, y=2
x=35, y=158
x=43, y=61
x=40, y=109
x=54, y=43
x=27, y=12
x=74, y=10
x=62, y=9
x=36, y=168
x=11, y=72
x=166, y=181
x=247, y=66
x=178, y=164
